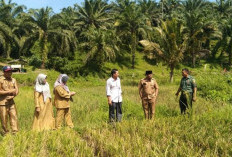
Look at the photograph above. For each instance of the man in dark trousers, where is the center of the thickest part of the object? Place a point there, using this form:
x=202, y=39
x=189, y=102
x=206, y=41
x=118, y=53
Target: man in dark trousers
x=114, y=96
x=188, y=89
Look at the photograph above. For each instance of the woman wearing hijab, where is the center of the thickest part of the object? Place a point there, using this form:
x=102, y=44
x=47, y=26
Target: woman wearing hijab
x=43, y=116
x=62, y=98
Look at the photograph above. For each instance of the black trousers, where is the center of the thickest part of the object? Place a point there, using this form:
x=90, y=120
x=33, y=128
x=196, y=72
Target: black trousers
x=185, y=102
x=115, y=107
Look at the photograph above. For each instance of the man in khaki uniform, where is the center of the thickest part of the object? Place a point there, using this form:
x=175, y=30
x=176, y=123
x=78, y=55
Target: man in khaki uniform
x=148, y=91
x=8, y=90
x=62, y=98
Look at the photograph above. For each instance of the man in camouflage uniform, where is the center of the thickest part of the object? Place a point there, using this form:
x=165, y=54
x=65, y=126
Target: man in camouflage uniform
x=8, y=90
x=188, y=89
x=148, y=91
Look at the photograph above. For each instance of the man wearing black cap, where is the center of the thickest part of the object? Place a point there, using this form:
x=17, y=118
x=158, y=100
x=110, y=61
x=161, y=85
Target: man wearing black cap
x=148, y=91
x=8, y=90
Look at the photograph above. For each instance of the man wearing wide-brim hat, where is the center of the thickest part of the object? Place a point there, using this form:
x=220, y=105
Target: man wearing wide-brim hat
x=8, y=90
x=148, y=91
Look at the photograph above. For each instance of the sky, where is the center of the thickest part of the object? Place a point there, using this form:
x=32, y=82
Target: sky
x=56, y=5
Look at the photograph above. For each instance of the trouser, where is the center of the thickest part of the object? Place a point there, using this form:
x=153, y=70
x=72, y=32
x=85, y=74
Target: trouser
x=11, y=112
x=148, y=108
x=118, y=107
x=186, y=99
x=61, y=114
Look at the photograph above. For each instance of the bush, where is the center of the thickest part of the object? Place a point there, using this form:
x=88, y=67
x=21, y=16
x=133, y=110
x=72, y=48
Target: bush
x=35, y=61
x=64, y=65
x=216, y=86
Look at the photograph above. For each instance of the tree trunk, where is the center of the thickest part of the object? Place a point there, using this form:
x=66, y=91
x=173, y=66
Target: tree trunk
x=215, y=49
x=207, y=44
x=171, y=73
x=8, y=50
x=133, y=48
x=193, y=59
x=44, y=51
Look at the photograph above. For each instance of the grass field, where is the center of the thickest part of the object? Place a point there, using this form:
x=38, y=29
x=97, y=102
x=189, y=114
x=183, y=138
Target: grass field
x=206, y=133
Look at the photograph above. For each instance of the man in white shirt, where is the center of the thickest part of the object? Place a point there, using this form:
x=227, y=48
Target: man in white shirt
x=114, y=96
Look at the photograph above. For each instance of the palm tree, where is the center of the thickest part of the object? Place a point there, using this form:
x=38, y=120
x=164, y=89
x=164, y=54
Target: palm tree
x=65, y=44
x=196, y=27
x=100, y=47
x=130, y=23
x=225, y=42
x=45, y=30
x=9, y=13
x=94, y=13
x=223, y=7
x=168, y=8
x=172, y=44
x=151, y=10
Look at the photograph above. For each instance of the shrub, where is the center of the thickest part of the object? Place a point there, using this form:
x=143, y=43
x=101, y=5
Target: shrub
x=35, y=61
x=215, y=86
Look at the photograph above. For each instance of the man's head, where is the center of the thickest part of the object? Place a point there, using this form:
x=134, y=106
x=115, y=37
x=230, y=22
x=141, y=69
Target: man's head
x=148, y=74
x=114, y=73
x=7, y=72
x=185, y=72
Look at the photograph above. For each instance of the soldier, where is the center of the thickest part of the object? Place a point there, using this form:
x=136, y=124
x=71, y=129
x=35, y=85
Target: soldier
x=62, y=98
x=148, y=91
x=188, y=89
x=114, y=96
x=8, y=90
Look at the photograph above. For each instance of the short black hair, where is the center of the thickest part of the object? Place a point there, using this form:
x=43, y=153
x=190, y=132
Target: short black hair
x=113, y=71
x=185, y=69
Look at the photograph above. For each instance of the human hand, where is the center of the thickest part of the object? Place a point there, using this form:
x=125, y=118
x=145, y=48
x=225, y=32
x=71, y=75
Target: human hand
x=9, y=97
x=109, y=101
x=177, y=93
x=37, y=109
x=12, y=92
x=72, y=93
x=194, y=98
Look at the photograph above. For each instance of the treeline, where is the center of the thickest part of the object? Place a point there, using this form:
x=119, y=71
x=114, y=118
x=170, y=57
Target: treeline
x=83, y=37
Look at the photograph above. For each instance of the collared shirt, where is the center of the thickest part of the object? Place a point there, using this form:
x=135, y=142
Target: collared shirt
x=114, y=90
x=6, y=85
x=187, y=84
x=147, y=88
x=62, y=97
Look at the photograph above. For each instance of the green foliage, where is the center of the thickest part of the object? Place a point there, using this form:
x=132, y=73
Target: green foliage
x=35, y=61
x=211, y=89
x=169, y=134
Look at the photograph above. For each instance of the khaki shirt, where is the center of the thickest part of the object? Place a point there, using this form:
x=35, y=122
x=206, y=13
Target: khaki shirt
x=62, y=97
x=147, y=88
x=6, y=85
x=39, y=99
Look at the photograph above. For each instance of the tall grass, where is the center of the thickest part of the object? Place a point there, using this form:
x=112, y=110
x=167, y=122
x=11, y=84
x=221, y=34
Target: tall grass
x=207, y=133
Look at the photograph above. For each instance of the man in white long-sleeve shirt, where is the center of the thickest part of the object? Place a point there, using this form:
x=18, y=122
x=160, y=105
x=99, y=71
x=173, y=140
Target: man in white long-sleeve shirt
x=114, y=96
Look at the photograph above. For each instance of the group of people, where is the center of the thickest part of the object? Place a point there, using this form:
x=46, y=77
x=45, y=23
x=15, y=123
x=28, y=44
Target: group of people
x=43, y=114
x=148, y=92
